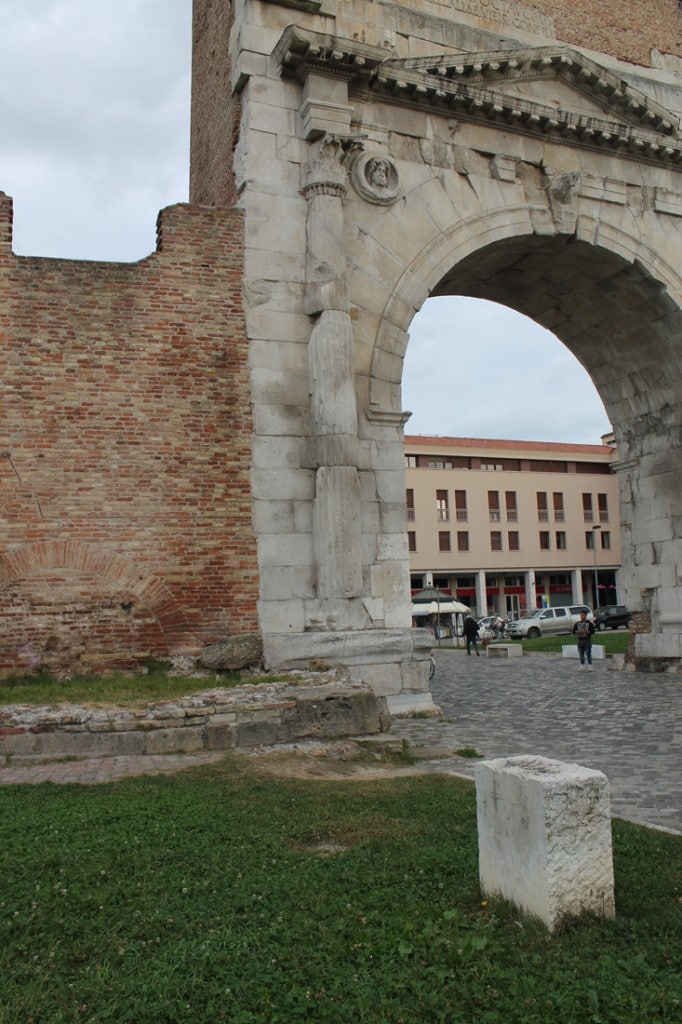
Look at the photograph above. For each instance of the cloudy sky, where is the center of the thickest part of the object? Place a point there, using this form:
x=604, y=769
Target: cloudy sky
x=95, y=140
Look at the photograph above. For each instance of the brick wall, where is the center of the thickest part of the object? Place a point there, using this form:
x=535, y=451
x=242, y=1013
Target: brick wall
x=125, y=513
x=215, y=110
x=628, y=29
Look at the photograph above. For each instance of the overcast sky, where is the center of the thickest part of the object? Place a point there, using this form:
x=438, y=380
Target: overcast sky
x=94, y=142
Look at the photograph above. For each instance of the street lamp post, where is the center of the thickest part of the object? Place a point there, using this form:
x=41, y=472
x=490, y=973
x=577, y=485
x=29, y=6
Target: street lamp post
x=596, y=576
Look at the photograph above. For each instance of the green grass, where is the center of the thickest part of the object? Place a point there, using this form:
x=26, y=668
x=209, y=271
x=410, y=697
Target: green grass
x=117, y=688
x=614, y=642
x=223, y=894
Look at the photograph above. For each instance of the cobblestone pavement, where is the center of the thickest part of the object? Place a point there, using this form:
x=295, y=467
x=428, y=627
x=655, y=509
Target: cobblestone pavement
x=625, y=724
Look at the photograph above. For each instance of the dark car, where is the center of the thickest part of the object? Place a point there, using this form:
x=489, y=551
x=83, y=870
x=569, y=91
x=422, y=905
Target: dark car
x=612, y=616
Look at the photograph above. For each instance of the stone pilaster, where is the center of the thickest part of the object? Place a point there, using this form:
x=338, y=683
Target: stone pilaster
x=336, y=514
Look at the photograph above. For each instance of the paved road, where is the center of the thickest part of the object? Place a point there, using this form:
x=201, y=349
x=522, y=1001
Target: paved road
x=627, y=725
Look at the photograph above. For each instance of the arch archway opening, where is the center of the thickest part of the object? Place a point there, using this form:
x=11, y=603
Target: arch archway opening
x=623, y=326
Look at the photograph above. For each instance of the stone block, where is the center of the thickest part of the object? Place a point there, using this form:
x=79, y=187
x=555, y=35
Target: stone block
x=571, y=651
x=544, y=837
x=504, y=650
x=410, y=703
x=385, y=680
x=319, y=117
x=233, y=652
x=330, y=712
x=280, y=617
x=178, y=740
x=256, y=733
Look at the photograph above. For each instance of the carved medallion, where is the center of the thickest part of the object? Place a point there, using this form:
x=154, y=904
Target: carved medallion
x=375, y=178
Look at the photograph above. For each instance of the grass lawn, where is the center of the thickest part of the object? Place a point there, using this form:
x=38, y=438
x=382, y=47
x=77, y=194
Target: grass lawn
x=613, y=641
x=225, y=894
x=117, y=688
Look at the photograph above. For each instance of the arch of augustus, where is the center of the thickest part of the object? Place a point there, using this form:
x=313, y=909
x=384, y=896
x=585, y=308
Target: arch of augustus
x=383, y=153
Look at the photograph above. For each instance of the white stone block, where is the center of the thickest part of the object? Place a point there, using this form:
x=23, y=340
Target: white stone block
x=571, y=651
x=544, y=837
x=410, y=703
x=504, y=651
x=280, y=617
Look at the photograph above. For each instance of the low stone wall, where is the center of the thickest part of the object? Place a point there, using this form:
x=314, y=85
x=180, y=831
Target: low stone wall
x=327, y=706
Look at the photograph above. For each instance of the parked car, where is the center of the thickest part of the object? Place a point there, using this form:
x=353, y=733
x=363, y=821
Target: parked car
x=611, y=616
x=548, y=621
x=486, y=624
x=576, y=611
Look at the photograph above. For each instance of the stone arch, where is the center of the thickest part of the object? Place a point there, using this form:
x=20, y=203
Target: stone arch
x=77, y=558
x=459, y=249
x=616, y=302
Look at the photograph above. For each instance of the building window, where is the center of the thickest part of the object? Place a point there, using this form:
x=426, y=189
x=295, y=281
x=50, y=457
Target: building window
x=605, y=540
x=461, y=506
x=544, y=540
x=510, y=504
x=603, y=506
x=494, y=506
x=589, y=540
x=410, y=461
x=442, y=509
x=513, y=540
x=411, y=540
x=440, y=463
x=462, y=540
x=588, y=515
x=444, y=540
x=495, y=540
x=491, y=467
x=543, y=512
x=561, y=540
x=409, y=501
x=558, y=505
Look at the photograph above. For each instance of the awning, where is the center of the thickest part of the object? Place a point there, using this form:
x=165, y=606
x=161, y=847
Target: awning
x=444, y=607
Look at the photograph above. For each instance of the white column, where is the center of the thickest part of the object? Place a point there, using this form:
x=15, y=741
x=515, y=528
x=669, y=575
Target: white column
x=531, y=593
x=577, y=586
x=481, y=595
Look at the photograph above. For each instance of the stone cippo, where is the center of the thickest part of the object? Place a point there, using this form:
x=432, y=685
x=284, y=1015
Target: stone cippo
x=544, y=837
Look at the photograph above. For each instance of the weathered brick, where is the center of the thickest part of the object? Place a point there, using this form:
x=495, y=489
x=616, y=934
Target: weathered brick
x=124, y=474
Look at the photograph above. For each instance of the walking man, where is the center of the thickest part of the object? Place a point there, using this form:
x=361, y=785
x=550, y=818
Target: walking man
x=584, y=630
x=470, y=631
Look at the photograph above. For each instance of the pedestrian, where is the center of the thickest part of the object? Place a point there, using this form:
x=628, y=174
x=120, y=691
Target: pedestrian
x=470, y=631
x=584, y=630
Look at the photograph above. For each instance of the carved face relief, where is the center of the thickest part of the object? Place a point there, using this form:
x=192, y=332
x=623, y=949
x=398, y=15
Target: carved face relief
x=375, y=178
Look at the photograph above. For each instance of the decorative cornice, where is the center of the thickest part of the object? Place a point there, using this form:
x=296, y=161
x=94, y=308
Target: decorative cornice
x=601, y=86
x=472, y=87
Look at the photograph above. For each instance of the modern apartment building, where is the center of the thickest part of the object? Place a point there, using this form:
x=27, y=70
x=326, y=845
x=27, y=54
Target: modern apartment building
x=509, y=526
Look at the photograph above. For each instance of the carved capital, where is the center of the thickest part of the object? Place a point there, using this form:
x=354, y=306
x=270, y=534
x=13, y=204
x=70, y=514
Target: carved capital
x=325, y=173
